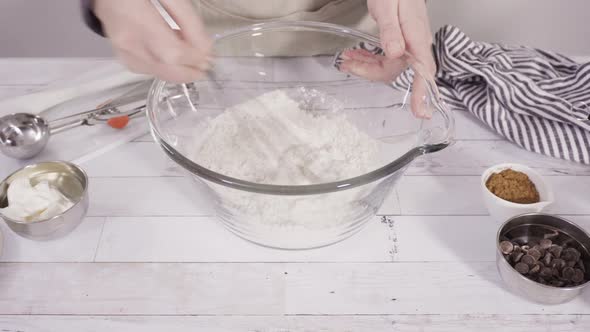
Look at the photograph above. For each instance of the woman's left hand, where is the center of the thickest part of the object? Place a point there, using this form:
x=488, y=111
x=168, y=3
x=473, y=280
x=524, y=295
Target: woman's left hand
x=403, y=26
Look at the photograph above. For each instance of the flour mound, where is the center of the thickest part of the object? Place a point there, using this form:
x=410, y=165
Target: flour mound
x=271, y=140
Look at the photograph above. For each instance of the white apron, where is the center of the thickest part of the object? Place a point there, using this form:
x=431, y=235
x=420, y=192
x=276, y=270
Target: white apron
x=225, y=15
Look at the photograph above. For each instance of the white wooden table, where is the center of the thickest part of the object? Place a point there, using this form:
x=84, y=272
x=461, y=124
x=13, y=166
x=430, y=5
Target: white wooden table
x=148, y=258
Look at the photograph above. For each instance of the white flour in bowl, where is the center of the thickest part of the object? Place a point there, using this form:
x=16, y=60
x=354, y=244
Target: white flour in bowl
x=271, y=140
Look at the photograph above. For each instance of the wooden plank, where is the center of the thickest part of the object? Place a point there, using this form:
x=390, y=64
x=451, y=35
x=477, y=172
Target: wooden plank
x=162, y=196
x=147, y=197
x=450, y=238
x=351, y=323
x=422, y=195
x=444, y=238
x=571, y=194
x=13, y=91
x=474, y=157
x=157, y=288
x=78, y=246
x=418, y=195
x=409, y=288
x=145, y=138
x=142, y=159
x=461, y=195
x=463, y=158
x=450, y=195
x=206, y=240
x=264, y=289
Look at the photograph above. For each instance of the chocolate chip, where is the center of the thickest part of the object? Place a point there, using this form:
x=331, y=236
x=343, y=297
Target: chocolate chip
x=578, y=276
x=528, y=259
x=545, y=243
x=546, y=262
x=568, y=273
x=558, y=263
x=556, y=250
x=506, y=247
x=576, y=253
x=557, y=283
x=547, y=259
x=567, y=242
x=571, y=254
x=535, y=253
x=568, y=254
x=515, y=257
x=522, y=268
x=540, y=249
x=535, y=269
x=546, y=272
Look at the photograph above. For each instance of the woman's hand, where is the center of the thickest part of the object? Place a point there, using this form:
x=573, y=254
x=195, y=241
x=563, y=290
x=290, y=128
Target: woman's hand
x=145, y=43
x=403, y=26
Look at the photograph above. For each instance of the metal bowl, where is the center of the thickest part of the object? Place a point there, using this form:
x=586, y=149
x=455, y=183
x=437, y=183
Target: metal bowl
x=68, y=178
x=532, y=227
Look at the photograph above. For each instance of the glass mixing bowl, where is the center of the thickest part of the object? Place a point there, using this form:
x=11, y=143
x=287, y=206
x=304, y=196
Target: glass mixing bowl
x=296, y=211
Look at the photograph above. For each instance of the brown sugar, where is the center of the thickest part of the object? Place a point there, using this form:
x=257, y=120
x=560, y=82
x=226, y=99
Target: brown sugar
x=513, y=186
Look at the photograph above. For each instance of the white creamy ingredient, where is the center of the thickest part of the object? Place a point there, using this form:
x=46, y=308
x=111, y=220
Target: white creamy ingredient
x=271, y=140
x=33, y=203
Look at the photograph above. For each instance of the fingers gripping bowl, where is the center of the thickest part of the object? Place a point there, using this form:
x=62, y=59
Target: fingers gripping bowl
x=293, y=153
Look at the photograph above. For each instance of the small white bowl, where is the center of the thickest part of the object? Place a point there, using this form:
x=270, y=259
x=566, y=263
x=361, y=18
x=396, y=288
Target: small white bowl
x=502, y=210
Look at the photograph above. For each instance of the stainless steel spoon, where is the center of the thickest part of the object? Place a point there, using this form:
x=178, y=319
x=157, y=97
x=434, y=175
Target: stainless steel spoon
x=24, y=135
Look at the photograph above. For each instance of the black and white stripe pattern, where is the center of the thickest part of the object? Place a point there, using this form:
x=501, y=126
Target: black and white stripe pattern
x=537, y=99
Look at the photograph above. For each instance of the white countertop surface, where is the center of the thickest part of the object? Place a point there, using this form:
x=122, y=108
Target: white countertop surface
x=148, y=258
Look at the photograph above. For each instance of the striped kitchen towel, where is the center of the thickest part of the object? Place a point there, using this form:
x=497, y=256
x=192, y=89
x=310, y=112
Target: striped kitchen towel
x=537, y=99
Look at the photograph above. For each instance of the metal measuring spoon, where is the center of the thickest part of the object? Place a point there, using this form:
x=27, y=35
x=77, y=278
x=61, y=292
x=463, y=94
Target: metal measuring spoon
x=23, y=135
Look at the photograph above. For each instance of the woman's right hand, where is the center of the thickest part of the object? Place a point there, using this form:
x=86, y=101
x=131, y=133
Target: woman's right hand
x=145, y=43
